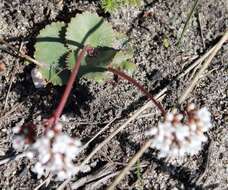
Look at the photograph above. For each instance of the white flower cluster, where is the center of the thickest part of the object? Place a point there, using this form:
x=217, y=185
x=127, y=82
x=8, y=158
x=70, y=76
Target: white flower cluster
x=177, y=136
x=54, y=152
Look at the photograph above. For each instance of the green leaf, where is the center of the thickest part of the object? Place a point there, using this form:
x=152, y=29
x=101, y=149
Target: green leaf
x=89, y=29
x=50, y=50
x=122, y=61
x=94, y=67
x=85, y=29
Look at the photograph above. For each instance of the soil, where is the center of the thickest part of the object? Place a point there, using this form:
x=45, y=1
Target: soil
x=92, y=106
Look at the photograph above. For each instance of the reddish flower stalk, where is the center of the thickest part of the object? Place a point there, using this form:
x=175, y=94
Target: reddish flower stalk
x=139, y=86
x=57, y=113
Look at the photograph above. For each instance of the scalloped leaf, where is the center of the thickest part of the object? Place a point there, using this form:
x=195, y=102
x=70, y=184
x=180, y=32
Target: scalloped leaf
x=89, y=29
x=122, y=61
x=85, y=29
x=50, y=50
x=94, y=67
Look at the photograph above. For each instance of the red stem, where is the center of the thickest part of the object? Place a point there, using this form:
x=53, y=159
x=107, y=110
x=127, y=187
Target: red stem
x=57, y=113
x=140, y=87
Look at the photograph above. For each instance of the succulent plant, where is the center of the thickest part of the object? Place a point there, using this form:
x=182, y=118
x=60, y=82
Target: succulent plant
x=58, y=45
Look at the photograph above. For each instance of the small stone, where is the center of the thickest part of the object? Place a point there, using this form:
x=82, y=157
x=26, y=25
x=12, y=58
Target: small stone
x=37, y=78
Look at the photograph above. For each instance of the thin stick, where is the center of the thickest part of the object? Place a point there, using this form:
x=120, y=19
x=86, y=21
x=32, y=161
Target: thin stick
x=101, y=131
x=197, y=62
x=10, y=86
x=47, y=181
x=129, y=165
x=21, y=54
x=203, y=68
x=187, y=22
x=201, y=31
x=140, y=87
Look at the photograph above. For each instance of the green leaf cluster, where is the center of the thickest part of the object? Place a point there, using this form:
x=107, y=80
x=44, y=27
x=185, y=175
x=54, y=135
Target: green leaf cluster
x=58, y=44
x=112, y=5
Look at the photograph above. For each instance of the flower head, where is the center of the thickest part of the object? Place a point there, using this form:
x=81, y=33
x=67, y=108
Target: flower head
x=179, y=135
x=55, y=152
x=23, y=136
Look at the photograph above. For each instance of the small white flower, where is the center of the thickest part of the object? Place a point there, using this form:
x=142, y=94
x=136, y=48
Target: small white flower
x=18, y=143
x=39, y=169
x=54, y=150
x=176, y=137
x=205, y=118
x=55, y=153
x=23, y=136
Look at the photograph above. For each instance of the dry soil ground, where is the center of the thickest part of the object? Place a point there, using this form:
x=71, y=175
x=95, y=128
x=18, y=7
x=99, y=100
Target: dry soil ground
x=91, y=106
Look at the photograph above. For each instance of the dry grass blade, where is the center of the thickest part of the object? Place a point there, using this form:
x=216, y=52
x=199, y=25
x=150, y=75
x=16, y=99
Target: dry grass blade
x=20, y=54
x=196, y=63
x=196, y=79
x=46, y=182
x=15, y=68
x=101, y=131
x=130, y=164
x=101, y=173
x=187, y=22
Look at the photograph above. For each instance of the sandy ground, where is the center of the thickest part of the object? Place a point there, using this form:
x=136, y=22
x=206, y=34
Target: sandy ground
x=92, y=106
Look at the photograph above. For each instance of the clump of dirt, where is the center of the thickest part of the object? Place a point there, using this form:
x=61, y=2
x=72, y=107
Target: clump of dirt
x=92, y=105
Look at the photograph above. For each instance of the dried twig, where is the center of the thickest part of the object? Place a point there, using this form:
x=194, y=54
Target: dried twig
x=129, y=165
x=21, y=54
x=187, y=22
x=196, y=63
x=101, y=173
x=101, y=131
x=46, y=181
x=204, y=67
x=201, y=31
